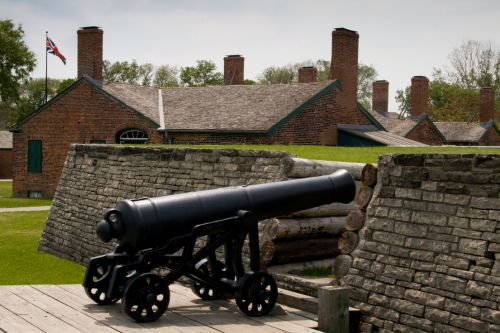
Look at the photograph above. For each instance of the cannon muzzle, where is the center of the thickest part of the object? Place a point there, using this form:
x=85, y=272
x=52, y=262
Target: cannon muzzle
x=151, y=222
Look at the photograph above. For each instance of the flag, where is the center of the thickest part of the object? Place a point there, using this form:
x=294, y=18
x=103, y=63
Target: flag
x=52, y=48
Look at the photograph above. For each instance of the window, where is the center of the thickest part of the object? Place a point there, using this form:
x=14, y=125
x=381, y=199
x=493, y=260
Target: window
x=35, y=156
x=132, y=136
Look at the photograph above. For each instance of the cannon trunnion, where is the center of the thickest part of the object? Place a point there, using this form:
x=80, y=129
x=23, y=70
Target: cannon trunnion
x=162, y=232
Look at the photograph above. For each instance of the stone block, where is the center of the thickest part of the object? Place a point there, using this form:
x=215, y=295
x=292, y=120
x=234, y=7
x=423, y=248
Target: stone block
x=492, y=316
x=432, y=245
x=422, y=255
x=478, y=289
x=429, y=218
x=462, y=308
x=388, y=238
x=437, y=315
x=399, y=273
x=473, y=246
x=468, y=323
x=449, y=283
x=410, y=229
x=381, y=224
x=457, y=199
x=407, y=307
x=485, y=203
x=399, y=214
x=424, y=298
x=375, y=286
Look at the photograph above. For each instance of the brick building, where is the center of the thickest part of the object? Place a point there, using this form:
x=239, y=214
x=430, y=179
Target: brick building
x=5, y=155
x=92, y=111
x=419, y=127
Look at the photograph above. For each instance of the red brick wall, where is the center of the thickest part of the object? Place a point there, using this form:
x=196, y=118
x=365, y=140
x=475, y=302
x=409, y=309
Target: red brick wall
x=380, y=96
x=5, y=163
x=90, y=52
x=487, y=104
x=419, y=95
x=344, y=67
x=307, y=74
x=234, y=70
x=82, y=115
x=425, y=133
x=491, y=138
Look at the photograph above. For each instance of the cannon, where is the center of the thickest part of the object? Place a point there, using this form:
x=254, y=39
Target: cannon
x=199, y=235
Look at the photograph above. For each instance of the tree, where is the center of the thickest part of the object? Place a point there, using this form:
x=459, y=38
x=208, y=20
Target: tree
x=366, y=75
x=203, y=74
x=130, y=73
x=278, y=75
x=166, y=76
x=16, y=60
x=475, y=65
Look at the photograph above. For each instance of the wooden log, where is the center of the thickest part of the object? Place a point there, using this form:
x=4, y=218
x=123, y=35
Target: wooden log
x=341, y=265
x=369, y=175
x=348, y=242
x=333, y=309
x=306, y=227
x=333, y=209
x=363, y=196
x=282, y=251
x=303, y=168
x=355, y=220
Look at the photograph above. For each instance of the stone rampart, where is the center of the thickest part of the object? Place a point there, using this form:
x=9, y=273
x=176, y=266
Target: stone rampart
x=428, y=259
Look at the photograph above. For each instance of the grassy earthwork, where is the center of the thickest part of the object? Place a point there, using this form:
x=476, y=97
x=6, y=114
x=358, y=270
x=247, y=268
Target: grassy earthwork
x=20, y=261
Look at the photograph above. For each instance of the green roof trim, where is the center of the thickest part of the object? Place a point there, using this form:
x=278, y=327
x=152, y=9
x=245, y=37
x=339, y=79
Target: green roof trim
x=371, y=118
x=94, y=85
x=335, y=84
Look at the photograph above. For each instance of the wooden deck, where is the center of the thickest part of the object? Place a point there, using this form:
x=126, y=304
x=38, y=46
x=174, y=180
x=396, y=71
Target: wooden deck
x=66, y=308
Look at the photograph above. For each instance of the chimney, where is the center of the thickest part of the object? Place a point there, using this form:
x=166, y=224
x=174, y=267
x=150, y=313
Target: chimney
x=380, y=96
x=486, y=104
x=344, y=67
x=90, y=52
x=419, y=95
x=307, y=74
x=234, y=67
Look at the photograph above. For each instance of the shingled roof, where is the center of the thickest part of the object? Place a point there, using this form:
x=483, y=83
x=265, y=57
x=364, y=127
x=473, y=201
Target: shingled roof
x=248, y=108
x=463, y=132
x=386, y=138
x=5, y=140
x=394, y=124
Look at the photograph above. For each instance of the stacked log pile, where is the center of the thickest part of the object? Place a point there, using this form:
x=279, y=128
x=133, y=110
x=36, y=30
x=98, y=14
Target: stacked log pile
x=323, y=232
x=355, y=220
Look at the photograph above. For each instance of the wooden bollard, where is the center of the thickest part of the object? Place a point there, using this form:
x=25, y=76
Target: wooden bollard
x=333, y=309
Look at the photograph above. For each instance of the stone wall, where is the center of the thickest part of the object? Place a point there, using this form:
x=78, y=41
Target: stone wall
x=96, y=177
x=429, y=255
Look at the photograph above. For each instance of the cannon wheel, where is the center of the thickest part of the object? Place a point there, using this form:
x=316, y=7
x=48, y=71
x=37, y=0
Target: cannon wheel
x=146, y=298
x=203, y=290
x=256, y=294
x=98, y=273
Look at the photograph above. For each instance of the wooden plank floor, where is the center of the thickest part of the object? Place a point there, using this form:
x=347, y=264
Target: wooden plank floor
x=66, y=308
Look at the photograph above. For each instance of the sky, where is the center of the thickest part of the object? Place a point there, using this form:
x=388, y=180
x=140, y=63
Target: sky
x=400, y=38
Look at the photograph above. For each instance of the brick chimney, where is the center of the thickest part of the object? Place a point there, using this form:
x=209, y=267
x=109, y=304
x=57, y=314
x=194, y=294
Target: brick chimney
x=234, y=68
x=307, y=74
x=90, y=52
x=419, y=95
x=380, y=96
x=486, y=104
x=344, y=67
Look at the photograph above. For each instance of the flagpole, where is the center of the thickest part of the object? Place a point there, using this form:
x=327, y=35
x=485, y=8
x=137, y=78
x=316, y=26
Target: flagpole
x=46, y=88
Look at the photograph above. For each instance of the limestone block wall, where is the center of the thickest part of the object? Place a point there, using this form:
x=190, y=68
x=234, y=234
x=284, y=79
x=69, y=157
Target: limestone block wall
x=96, y=177
x=428, y=259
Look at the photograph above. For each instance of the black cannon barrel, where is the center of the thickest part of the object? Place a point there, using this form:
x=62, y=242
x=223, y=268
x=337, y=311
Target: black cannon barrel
x=152, y=222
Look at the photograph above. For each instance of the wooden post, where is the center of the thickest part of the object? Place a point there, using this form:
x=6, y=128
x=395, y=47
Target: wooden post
x=333, y=309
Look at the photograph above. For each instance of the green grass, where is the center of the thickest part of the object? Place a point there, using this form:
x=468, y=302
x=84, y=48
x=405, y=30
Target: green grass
x=7, y=201
x=315, y=272
x=352, y=154
x=21, y=263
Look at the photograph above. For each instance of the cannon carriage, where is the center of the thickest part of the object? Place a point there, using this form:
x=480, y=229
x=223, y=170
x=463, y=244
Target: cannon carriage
x=162, y=232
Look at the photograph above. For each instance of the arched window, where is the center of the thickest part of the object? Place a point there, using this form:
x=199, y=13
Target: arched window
x=132, y=136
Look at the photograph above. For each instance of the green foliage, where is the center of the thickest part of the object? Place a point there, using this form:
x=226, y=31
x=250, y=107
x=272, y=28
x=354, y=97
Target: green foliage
x=166, y=76
x=128, y=72
x=366, y=75
x=278, y=75
x=21, y=262
x=7, y=201
x=203, y=74
x=16, y=61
